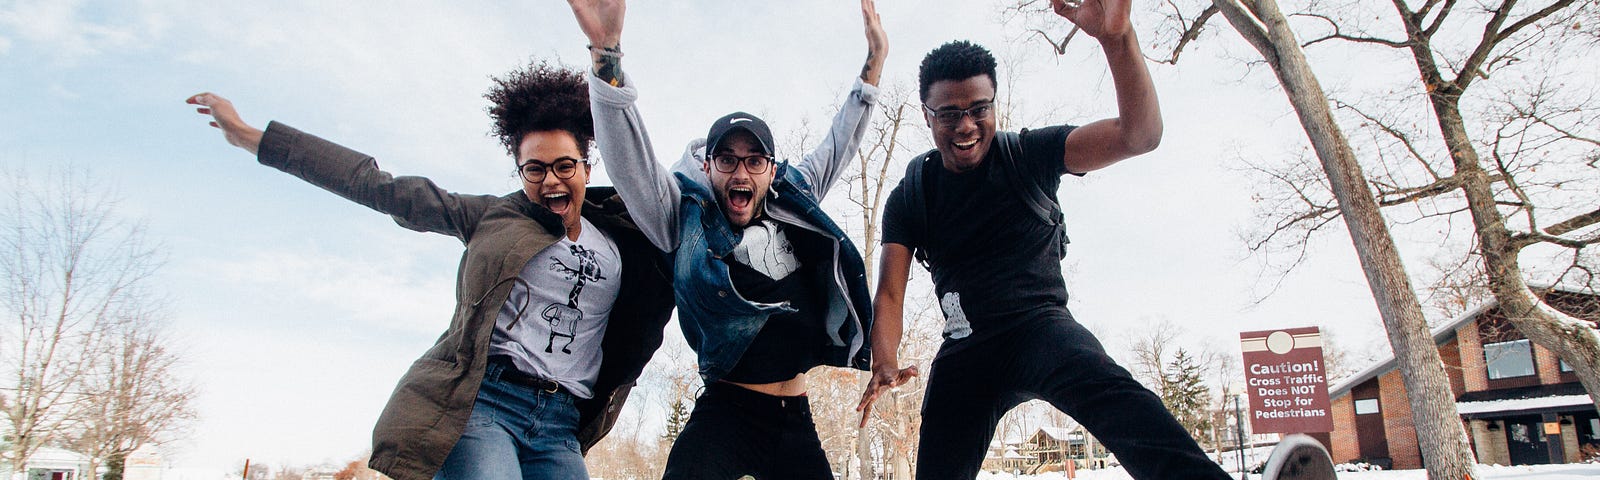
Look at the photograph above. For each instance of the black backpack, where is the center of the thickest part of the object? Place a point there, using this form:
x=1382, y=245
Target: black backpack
x=1044, y=206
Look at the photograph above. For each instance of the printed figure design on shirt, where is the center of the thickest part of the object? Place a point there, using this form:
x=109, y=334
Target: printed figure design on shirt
x=766, y=249
x=587, y=270
x=955, y=319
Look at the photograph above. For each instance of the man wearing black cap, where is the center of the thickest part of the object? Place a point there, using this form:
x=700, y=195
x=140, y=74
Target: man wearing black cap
x=767, y=285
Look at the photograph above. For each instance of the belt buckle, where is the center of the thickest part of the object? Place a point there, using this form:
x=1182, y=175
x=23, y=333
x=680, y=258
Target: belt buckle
x=552, y=386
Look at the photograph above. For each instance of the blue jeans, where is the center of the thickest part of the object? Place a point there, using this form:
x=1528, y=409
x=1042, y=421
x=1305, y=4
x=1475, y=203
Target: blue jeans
x=517, y=433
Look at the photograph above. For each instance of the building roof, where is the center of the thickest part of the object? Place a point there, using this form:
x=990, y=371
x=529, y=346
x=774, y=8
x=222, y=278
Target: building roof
x=1055, y=433
x=1558, y=397
x=1442, y=334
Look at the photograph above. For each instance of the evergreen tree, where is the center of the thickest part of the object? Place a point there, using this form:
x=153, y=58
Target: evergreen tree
x=1186, y=395
x=676, y=420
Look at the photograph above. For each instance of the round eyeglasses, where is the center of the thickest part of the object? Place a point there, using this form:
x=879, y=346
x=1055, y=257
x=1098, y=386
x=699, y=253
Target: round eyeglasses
x=755, y=164
x=534, y=171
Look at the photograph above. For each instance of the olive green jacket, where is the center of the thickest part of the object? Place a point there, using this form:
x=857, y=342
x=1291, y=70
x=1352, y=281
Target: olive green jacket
x=428, y=410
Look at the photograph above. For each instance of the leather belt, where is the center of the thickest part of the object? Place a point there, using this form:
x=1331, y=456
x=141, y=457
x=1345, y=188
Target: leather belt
x=511, y=375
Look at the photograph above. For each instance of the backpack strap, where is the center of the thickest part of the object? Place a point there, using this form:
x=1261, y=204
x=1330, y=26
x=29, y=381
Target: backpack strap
x=1042, y=205
x=917, y=199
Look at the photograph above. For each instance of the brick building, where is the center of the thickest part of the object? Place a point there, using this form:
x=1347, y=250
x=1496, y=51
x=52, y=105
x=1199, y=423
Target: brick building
x=1519, y=403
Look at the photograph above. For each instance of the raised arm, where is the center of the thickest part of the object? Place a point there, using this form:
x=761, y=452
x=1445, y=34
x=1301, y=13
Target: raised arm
x=1137, y=128
x=888, y=306
x=824, y=165
x=645, y=185
x=414, y=202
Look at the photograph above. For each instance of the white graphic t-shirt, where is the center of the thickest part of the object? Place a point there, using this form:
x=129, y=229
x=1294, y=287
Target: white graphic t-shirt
x=765, y=248
x=552, y=323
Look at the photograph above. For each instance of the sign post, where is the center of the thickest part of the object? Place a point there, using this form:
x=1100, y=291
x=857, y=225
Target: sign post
x=1285, y=377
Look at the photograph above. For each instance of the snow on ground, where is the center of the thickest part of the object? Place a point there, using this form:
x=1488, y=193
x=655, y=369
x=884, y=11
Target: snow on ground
x=1586, y=471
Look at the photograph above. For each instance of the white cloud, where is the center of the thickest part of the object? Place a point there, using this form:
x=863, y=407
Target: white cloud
x=388, y=295
x=5, y=45
x=59, y=27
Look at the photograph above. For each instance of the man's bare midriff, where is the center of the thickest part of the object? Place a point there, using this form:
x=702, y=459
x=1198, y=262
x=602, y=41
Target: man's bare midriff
x=788, y=388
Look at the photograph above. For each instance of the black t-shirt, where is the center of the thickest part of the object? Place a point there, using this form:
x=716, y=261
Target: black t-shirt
x=994, y=261
x=789, y=344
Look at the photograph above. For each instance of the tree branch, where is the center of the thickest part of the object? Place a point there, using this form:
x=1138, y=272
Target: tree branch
x=1249, y=26
x=1493, y=35
x=1339, y=35
x=1437, y=20
x=1191, y=32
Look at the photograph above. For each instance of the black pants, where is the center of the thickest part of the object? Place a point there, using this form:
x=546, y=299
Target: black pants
x=735, y=432
x=1059, y=361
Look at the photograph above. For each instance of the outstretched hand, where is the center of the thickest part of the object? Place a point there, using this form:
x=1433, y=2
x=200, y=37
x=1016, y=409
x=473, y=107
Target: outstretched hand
x=884, y=377
x=877, y=43
x=224, y=117
x=600, y=20
x=1102, y=19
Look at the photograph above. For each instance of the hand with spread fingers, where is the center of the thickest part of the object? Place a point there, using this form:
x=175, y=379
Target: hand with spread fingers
x=885, y=375
x=224, y=117
x=1102, y=19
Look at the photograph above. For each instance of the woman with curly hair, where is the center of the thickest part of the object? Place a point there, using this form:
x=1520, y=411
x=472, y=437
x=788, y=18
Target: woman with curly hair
x=539, y=355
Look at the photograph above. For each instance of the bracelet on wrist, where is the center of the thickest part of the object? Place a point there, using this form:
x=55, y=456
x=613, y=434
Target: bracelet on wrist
x=613, y=51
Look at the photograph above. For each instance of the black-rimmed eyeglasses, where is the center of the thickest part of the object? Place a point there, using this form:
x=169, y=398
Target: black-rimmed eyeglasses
x=564, y=168
x=952, y=116
x=755, y=164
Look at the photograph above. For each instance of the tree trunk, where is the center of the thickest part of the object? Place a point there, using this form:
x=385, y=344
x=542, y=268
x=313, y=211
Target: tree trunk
x=1570, y=338
x=1442, y=438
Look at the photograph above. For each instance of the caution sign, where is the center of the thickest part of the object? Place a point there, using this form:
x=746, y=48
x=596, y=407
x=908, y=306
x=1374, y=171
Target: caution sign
x=1284, y=375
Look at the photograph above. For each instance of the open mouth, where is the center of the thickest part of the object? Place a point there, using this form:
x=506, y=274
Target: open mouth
x=966, y=145
x=741, y=197
x=557, y=202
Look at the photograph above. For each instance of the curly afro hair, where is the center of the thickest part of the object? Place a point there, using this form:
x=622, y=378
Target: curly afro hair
x=541, y=97
x=957, y=60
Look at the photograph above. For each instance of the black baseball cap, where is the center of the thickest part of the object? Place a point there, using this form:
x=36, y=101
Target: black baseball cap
x=739, y=121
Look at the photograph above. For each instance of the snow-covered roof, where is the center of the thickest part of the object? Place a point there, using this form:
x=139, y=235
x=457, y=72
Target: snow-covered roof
x=1521, y=404
x=1058, y=433
x=1441, y=334
x=1011, y=454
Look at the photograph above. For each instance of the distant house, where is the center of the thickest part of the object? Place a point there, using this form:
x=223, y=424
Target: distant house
x=1050, y=445
x=48, y=463
x=1520, y=404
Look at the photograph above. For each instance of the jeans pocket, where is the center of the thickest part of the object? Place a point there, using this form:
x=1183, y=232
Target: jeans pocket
x=479, y=418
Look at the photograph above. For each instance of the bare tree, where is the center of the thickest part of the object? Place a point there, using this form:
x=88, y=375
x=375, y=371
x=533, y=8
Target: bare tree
x=72, y=268
x=1517, y=158
x=132, y=393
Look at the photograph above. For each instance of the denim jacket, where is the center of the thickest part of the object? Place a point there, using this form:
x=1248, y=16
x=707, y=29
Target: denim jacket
x=680, y=215
x=719, y=322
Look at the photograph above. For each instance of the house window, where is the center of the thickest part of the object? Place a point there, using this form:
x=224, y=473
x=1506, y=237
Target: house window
x=1366, y=406
x=1565, y=367
x=1508, y=359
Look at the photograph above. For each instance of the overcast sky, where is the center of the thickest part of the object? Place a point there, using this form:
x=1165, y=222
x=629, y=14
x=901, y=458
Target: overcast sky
x=299, y=310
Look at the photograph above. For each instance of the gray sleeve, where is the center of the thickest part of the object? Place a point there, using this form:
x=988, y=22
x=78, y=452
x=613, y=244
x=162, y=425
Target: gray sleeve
x=824, y=165
x=414, y=202
x=645, y=185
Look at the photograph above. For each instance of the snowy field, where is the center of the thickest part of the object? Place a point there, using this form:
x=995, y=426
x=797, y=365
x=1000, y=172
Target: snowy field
x=1581, y=471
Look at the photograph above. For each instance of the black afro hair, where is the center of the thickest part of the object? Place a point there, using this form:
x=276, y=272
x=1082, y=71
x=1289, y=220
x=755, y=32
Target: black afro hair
x=957, y=60
x=541, y=97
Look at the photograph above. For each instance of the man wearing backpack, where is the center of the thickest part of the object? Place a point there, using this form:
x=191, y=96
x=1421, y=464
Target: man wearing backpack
x=996, y=266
